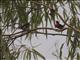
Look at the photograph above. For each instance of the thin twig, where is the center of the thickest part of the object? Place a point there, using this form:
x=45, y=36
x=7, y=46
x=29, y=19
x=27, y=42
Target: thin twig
x=31, y=31
x=52, y=34
x=58, y=30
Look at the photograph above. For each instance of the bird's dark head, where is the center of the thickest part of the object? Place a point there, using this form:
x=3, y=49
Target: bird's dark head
x=57, y=22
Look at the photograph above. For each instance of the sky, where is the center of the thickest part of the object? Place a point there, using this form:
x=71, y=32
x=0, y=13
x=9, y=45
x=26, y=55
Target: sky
x=46, y=46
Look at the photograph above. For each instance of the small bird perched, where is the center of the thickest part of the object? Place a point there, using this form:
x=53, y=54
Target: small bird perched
x=24, y=27
x=58, y=25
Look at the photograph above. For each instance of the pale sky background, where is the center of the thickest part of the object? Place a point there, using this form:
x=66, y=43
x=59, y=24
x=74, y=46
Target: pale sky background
x=46, y=46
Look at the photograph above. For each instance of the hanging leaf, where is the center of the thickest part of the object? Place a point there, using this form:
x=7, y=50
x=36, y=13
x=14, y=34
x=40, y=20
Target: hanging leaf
x=61, y=51
x=39, y=54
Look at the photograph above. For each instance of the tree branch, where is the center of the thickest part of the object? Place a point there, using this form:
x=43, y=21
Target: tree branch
x=33, y=31
x=52, y=34
x=58, y=30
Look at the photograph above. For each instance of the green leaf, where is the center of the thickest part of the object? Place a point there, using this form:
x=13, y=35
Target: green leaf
x=78, y=56
x=39, y=54
x=61, y=51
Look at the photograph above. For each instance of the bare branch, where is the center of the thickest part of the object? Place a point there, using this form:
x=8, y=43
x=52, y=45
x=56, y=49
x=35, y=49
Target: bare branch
x=52, y=34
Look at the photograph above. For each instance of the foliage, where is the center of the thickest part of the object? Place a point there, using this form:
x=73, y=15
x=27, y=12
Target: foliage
x=16, y=13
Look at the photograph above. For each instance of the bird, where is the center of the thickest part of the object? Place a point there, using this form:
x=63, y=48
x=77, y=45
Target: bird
x=58, y=25
x=24, y=27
